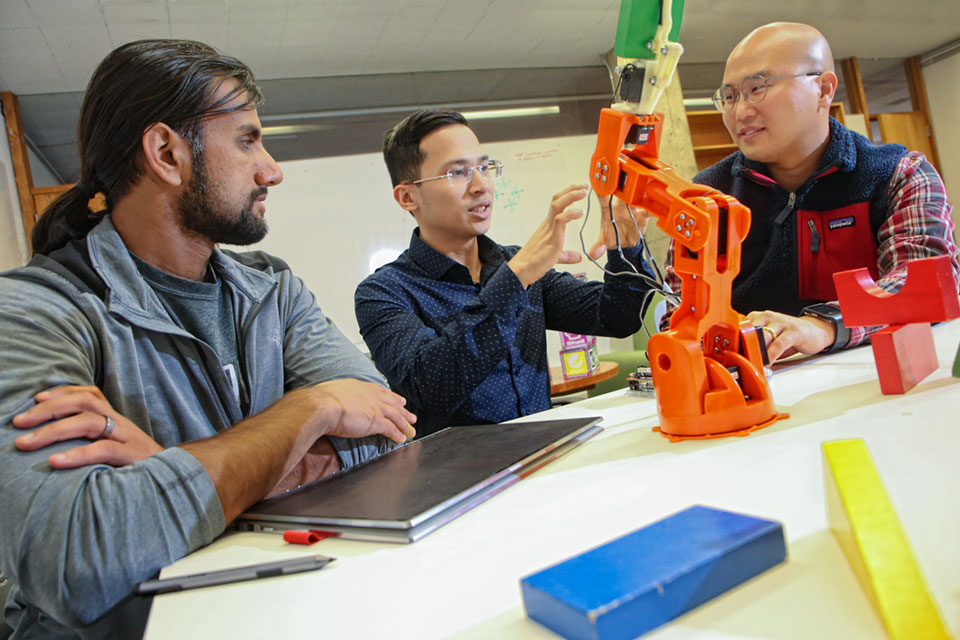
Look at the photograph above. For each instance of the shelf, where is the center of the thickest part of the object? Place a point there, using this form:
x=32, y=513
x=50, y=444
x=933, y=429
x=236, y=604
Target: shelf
x=708, y=157
x=707, y=130
x=729, y=147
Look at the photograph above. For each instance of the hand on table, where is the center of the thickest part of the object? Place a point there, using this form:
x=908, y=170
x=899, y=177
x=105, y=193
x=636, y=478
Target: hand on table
x=73, y=412
x=364, y=409
x=787, y=335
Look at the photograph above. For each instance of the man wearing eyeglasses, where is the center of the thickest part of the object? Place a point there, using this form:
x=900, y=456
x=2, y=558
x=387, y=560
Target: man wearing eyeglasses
x=824, y=199
x=457, y=322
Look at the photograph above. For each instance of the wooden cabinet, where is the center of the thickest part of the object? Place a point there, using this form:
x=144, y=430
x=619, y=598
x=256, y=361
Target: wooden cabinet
x=909, y=129
x=712, y=143
x=33, y=200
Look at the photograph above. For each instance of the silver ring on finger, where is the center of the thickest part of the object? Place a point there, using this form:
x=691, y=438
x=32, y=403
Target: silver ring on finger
x=107, y=429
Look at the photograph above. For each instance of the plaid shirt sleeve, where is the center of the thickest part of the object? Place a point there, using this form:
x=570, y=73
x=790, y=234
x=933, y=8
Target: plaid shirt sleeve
x=918, y=226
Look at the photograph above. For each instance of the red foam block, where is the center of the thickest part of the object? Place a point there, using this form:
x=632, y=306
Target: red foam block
x=928, y=295
x=905, y=355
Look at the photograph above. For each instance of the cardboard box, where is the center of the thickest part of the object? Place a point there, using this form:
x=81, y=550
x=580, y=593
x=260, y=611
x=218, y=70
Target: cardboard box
x=637, y=582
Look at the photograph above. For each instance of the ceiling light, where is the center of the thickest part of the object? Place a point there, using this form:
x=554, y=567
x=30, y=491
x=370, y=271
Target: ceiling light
x=292, y=129
x=697, y=102
x=507, y=112
x=511, y=113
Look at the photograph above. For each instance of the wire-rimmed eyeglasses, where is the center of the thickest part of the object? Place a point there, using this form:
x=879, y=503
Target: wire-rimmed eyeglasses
x=464, y=173
x=753, y=89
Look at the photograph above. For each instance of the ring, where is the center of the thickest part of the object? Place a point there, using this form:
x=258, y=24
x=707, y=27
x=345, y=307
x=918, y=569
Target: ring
x=773, y=334
x=107, y=430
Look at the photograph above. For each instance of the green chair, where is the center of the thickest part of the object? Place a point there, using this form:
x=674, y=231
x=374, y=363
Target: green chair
x=631, y=359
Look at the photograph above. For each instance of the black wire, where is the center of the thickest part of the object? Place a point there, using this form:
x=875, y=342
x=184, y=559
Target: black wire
x=616, y=89
x=645, y=248
x=616, y=233
x=643, y=306
x=653, y=283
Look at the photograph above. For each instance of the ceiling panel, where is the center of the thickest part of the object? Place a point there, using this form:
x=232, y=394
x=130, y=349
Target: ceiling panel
x=66, y=13
x=305, y=34
x=14, y=14
x=122, y=12
x=340, y=37
x=196, y=13
x=315, y=55
x=27, y=64
x=78, y=49
x=122, y=33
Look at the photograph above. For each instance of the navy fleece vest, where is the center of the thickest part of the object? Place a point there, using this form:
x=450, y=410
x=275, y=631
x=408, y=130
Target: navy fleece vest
x=797, y=241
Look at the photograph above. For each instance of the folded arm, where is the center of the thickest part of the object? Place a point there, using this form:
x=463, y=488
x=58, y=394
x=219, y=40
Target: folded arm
x=77, y=540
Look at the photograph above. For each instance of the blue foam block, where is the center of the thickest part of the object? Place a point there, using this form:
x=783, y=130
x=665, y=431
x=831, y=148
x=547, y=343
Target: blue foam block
x=637, y=582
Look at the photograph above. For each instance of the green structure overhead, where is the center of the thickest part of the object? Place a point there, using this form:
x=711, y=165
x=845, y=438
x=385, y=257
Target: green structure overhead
x=638, y=24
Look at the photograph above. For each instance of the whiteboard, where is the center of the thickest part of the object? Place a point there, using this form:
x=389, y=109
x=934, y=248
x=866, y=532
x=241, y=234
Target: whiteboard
x=333, y=220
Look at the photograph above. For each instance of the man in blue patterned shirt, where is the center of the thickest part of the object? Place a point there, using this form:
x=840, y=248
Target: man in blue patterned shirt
x=457, y=323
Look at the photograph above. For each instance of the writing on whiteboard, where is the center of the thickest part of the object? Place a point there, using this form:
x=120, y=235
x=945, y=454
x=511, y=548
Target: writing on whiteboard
x=527, y=156
x=508, y=194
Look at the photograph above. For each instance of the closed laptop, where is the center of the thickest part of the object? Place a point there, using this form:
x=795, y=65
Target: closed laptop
x=413, y=490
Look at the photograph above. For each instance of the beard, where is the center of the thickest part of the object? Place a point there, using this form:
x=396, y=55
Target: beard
x=203, y=212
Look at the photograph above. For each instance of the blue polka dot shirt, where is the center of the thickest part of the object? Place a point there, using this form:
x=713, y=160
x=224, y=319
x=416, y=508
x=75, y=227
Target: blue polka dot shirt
x=471, y=353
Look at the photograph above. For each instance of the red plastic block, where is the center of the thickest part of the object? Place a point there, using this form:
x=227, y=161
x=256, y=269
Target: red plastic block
x=905, y=355
x=928, y=295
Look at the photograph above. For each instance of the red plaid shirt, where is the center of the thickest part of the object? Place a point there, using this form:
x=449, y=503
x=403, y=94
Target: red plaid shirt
x=918, y=226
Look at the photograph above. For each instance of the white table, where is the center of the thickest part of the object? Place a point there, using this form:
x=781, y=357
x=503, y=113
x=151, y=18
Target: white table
x=463, y=580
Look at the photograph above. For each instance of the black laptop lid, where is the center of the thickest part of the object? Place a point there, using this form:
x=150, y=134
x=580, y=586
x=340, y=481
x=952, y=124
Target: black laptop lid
x=416, y=480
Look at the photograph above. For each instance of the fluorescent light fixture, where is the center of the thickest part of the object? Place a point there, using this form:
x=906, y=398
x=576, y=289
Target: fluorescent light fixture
x=292, y=129
x=497, y=109
x=511, y=113
x=515, y=112
x=697, y=102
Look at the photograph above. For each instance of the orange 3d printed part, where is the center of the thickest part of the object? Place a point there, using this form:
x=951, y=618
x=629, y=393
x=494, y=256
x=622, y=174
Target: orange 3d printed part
x=708, y=367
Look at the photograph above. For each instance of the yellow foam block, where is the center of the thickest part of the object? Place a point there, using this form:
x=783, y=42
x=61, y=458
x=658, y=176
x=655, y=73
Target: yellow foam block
x=869, y=532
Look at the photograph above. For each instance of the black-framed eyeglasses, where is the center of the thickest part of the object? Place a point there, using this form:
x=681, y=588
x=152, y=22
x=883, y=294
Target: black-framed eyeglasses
x=753, y=89
x=464, y=173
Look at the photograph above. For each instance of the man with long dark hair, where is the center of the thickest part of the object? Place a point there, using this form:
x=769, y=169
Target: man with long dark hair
x=154, y=386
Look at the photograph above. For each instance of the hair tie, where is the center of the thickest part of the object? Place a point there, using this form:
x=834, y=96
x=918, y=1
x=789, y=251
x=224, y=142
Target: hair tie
x=85, y=188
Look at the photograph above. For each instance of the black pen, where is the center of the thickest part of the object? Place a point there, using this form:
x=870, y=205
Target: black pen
x=237, y=574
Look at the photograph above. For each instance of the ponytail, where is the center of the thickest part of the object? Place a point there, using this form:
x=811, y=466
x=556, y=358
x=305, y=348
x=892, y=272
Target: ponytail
x=67, y=218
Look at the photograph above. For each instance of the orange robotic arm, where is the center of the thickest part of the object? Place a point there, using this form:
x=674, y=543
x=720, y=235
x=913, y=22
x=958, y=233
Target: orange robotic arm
x=708, y=367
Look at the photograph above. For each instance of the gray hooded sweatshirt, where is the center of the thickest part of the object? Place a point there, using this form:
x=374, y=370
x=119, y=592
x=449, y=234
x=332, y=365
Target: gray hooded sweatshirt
x=76, y=542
